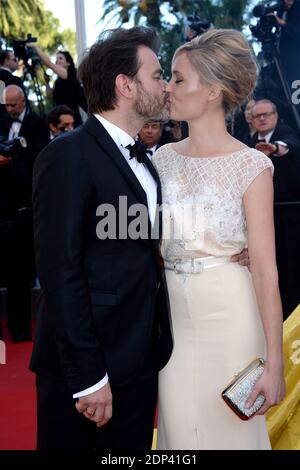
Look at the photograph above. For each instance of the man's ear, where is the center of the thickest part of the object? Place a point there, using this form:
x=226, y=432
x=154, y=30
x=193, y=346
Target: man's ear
x=124, y=86
x=53, y=128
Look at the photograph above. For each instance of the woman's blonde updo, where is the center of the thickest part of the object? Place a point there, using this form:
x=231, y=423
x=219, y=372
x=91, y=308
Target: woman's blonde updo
x=223, y=57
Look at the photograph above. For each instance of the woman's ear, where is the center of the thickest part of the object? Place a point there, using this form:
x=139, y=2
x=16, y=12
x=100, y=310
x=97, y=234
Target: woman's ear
x=124, y=86
x=215, y=92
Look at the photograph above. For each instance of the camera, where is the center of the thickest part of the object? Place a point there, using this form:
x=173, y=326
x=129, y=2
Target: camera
x=9, y=148
x=171, y=125
x=196, y=26
x=24, y=52
x=266, y=27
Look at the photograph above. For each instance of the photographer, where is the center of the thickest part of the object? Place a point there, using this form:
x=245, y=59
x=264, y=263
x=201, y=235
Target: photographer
x=16, y=244
x=278, y=29
x=67, y=88
x=288, y=17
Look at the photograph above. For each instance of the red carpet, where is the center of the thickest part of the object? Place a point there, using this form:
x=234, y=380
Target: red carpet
x=17, y=399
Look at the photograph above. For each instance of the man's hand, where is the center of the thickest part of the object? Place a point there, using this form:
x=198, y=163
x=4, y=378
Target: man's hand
x=280, y=21
x=267, y=149
x=4, y=160
x=97, y=406
x=242, y=258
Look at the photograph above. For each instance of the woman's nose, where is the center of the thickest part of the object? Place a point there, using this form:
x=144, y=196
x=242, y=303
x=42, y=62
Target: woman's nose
x=168, y=87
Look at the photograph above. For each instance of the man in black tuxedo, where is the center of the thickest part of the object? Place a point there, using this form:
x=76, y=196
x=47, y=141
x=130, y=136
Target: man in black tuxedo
x=8, y=65
x=154, y=135
x=105, y=332
x=281, y=144
x=60, y=119
x=16, y=238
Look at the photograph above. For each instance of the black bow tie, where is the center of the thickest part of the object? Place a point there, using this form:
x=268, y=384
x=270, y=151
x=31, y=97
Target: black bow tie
x=262, y=140
x=138, y=150
x=16, y=120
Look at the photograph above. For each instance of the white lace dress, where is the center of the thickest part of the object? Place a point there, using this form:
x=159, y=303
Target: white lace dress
x=216, y=323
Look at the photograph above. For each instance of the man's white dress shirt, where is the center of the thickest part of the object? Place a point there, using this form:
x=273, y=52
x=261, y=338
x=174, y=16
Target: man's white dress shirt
x=16, y=126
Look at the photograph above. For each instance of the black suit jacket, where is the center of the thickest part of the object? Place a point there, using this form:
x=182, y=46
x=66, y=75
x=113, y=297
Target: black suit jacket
x=103, y=297
x=16, y=177
x=9, y=79
x=287, y=167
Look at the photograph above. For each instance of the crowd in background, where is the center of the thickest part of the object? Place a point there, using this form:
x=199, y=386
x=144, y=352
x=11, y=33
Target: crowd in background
x=23, y=134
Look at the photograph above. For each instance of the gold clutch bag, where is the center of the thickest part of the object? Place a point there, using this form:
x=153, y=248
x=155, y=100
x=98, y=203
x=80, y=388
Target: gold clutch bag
x=236, y=393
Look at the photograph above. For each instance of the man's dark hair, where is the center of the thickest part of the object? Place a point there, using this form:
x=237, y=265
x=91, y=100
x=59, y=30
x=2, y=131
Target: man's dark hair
x=4, y=55
x=115, y=52
x=54, y=114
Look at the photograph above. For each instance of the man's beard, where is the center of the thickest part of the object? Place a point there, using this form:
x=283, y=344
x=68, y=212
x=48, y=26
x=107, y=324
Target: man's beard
x=150, y=106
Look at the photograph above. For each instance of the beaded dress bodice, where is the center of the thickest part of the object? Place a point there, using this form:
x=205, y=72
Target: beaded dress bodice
x=203, y=212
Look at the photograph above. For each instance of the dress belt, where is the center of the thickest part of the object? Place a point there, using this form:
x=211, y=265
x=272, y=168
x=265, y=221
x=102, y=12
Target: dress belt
x=196, y=265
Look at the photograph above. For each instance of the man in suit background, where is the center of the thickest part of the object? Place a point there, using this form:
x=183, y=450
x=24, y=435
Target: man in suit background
x=8, y=65
x=60, y=119
x=150, y=135
x=105, y=332
x=281, y=144
x=16, y=240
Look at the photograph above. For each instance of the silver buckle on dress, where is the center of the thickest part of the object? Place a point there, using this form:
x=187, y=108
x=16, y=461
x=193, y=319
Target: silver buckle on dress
x=175, y=268
x=199, y=265
x=191, y=267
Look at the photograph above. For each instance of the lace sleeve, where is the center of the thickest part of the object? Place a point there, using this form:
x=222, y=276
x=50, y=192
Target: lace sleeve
x=254, y=164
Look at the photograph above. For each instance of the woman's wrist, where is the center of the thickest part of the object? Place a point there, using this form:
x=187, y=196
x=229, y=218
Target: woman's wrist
x=275, y=362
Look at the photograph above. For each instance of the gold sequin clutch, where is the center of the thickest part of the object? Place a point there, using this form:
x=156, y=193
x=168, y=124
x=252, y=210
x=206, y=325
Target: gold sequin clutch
x=236, y=393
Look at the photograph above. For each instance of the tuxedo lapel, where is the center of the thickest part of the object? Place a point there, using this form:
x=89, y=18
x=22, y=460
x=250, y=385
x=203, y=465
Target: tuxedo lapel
x=6, y=122
x=153, y=172
x=95, y=128
x=158, y=218
x=26, y=123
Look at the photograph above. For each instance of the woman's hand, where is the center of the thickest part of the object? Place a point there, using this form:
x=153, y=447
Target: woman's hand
x=271, y=385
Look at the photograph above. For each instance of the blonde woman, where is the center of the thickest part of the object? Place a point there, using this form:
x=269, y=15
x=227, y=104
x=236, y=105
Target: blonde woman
x=223, y=316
